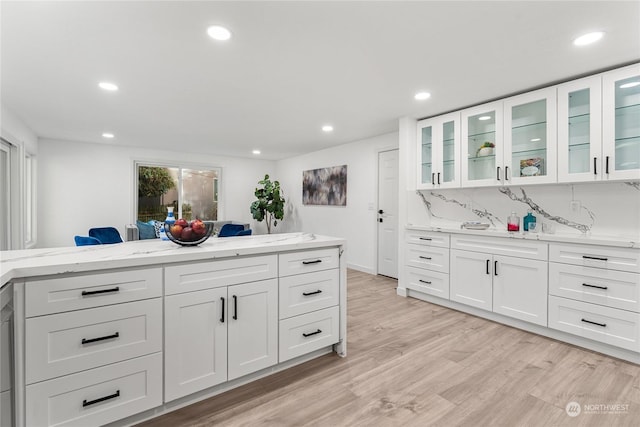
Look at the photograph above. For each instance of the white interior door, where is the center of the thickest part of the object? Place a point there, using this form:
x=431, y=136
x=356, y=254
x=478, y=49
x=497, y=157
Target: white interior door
x=388, y=213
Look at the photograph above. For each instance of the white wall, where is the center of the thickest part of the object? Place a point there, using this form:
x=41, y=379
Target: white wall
x=355, y=222
x=84, y=185
x=15, y=131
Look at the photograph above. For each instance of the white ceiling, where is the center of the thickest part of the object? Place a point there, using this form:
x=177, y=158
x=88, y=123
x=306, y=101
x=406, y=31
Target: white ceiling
x=289, y=68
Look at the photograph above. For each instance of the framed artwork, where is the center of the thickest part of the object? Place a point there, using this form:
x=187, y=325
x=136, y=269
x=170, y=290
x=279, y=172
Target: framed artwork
x=325, y=186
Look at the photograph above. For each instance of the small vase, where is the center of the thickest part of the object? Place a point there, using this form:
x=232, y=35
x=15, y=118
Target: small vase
x=485, y=151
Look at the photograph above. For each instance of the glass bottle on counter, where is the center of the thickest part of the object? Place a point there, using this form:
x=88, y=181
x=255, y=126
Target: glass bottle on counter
x=513, y=222
x=169, y=220
x=528, y=220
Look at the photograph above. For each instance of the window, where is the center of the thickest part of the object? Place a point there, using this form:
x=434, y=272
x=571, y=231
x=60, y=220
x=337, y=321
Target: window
x=5, y=195
x=191, y=191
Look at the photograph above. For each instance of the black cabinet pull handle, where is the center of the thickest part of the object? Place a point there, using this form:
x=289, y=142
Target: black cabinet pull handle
x=424, y=257
x=488, y=261
x=426, y=238
x=101, y=399
x=433, y=181
x=222, y=316
x=107, y=337
x=235, y=307
x=498, y=173
x=595, y=257
x=495, y=268
x=594, y=323
x=506, y=173
x=438, y=178
x=595, y=286
x=102, y=291
x=316, y=261
x=311, y=333
x=306, y=294
x=606, y=165
x=424, y=281
x=380, y=211
x=595, y=170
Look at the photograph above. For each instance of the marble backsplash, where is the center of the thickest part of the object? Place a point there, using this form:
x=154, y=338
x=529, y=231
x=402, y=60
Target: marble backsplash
x=597, y=209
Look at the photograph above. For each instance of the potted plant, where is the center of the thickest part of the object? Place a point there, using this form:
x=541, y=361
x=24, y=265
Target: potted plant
x=486, y=149
x=270, y=203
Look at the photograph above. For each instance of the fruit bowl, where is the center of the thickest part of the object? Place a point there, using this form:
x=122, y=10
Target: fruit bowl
x=197, y=233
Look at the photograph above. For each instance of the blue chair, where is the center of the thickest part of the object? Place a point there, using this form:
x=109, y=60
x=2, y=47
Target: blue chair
x=106, y=235
x=246, y=232
x=86, y=241
x=230, y=230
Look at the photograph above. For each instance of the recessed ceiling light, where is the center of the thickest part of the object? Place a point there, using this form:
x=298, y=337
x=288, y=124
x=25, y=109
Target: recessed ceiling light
x=535, y=139
x=484, y=117
x=218, y=33
x=256, y=151
x=327, y=128
x=421, y=96
x=588, y=38
x=630, y=84
x=108, y=86
x=108, y=135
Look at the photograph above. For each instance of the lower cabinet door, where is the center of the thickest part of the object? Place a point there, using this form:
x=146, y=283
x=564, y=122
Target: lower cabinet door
x=6, y=409
x=195, y=341
x=471, y=278
x=520, y=288
x=253, y=327
x=97, y=396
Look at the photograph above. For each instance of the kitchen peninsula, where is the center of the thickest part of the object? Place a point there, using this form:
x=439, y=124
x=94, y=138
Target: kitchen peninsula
x=126, y=332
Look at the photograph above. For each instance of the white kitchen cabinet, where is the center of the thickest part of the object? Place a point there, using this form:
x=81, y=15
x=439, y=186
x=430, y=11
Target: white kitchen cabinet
x=580, y=130
x=482, y=126
x=6, y=356
x=438, y=152
x=471, y=279
x=621, y=123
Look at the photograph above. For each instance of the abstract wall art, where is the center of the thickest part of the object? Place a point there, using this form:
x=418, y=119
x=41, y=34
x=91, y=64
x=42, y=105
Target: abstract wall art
x=325, y=186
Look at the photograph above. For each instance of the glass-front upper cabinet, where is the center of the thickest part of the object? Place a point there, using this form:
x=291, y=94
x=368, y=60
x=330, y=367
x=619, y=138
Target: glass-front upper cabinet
x=621, y=123
x=482, y=145
x=438, y=152
x=530, y=137
x=580, y=130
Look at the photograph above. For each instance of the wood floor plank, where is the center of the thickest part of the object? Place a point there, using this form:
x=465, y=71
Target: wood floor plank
x=412, y=363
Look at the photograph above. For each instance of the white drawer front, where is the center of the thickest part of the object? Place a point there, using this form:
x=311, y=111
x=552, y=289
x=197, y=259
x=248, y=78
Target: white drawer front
x=613, y=288
x=509, y=247
x=428, y=282
x=212, y=274
x=6, y=409
x=307, y=261
x=302, y=334
x=127, y=388
x=91, y=290
x=596, y=256
x=54, y=343
x=608, y=325
x=304, y=293
x=430, y=258
x=428, y=238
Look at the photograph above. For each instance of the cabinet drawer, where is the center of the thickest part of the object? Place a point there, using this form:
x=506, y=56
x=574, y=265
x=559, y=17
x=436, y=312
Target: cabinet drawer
x=428, y=282
x=308, y=261
x=91, y=290
x=508, y=246
x=97, y=396
x=428, y=238
x=613, y=288
x=304, y=293
x=212, y=274
x=608, y=325
x=308, y=332
x=596, y=256
x=430, y=258
x=64, y=343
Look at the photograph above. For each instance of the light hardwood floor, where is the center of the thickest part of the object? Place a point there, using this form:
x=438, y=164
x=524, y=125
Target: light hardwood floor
x=411, y=363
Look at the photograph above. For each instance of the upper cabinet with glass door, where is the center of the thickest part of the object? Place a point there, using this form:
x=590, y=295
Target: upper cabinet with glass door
x=621, y=123
x=438, y=152
x=580, y=130
x=530, y=138
x=482, y=145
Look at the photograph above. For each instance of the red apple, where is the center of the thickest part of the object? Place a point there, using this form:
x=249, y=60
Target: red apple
x=176, y=230
x=187, y=234
x=198, y=227
x=182, y=222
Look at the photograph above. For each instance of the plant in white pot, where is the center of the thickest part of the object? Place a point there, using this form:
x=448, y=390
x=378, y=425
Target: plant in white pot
x=270, y=203
x=486, y=149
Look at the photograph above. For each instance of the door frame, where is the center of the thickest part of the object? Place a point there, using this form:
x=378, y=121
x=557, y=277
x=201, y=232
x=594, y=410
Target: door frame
x=377, y=203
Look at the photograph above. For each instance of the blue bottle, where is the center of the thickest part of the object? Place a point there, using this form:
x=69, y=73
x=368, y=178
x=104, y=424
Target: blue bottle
x=170, y=220
x=528, y=220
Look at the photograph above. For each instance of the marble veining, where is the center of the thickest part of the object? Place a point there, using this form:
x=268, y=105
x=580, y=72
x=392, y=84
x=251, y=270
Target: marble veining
x=633, y=184
x=584, y=228
x=481, y=213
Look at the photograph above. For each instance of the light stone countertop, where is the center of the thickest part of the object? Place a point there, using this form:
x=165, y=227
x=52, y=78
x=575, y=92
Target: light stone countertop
x=47, y=261
x=616, y=241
